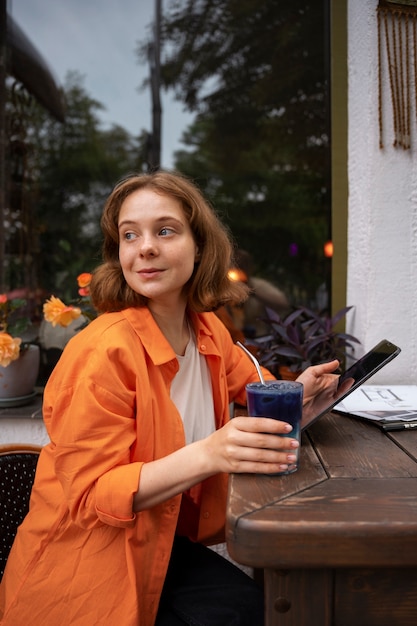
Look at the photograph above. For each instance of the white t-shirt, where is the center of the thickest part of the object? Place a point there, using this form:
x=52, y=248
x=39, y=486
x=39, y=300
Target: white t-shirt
x=192, y=394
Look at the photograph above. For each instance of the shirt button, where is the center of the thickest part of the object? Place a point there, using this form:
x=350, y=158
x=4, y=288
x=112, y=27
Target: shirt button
x=203, y=347
x=206, y=514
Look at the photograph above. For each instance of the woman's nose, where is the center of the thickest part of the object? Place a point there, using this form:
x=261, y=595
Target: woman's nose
x=148, y=246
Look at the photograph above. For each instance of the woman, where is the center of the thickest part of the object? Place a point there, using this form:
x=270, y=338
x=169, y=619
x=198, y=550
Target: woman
x=133, y=483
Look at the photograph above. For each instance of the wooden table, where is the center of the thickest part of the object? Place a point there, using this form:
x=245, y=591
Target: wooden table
x=338, y=538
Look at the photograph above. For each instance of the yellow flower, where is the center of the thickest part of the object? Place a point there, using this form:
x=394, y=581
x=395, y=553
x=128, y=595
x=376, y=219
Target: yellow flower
x=56, y=312
x=9, y=349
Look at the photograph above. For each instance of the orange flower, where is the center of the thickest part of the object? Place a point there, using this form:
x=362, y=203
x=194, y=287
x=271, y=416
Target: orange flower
x=84, y=281
x=56, y=312
x=3, y=298
x=9, y=349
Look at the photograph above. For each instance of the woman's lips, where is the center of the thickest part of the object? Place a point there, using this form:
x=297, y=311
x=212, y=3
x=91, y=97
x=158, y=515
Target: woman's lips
x=149, y=273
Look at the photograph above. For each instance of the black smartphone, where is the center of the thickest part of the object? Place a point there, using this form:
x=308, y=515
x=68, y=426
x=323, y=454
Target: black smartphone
x=358, y=373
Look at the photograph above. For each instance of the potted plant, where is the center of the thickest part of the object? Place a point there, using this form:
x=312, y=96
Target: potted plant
x=302, y=338
x=19, y=359
x=62, y=321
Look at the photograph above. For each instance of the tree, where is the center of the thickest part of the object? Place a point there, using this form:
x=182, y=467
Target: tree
x=72, y=168
x=255, y=75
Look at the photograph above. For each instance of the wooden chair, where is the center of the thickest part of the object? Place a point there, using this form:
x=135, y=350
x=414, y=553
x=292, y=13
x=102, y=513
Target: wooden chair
x=17, y=471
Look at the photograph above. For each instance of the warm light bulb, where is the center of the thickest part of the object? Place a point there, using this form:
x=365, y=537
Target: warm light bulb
x=237, y=275
x=328, y=249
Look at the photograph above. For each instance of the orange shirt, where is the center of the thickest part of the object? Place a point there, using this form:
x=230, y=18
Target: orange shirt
x=81, y=556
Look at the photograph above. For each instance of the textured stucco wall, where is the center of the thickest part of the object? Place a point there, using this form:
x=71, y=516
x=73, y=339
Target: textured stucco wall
x=20, y=430
x=382, y=208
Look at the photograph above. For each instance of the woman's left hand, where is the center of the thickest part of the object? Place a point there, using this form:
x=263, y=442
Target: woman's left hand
x=320, y=388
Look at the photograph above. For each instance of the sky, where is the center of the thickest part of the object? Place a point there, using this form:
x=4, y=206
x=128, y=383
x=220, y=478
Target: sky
x=98, y=39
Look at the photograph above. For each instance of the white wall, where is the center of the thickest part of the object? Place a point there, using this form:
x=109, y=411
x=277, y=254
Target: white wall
x=382, y=208
x=20, y=430
x=23, y=424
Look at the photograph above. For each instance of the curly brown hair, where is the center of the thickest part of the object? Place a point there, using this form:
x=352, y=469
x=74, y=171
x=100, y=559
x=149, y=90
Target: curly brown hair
x=209, y=286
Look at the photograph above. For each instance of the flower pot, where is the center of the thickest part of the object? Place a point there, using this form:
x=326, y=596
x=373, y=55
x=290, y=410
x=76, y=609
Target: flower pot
x=18, y=379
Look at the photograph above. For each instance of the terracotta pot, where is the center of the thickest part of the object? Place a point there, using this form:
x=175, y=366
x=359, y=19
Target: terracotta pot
x=19, y=377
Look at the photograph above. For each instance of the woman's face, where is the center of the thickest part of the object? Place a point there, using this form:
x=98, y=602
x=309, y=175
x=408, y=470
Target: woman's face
x=157, y=250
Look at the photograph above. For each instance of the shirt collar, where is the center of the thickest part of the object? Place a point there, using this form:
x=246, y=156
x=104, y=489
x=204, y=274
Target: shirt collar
x=153, y=340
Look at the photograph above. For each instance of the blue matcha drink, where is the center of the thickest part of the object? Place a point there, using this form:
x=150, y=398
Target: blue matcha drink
x=280, y=400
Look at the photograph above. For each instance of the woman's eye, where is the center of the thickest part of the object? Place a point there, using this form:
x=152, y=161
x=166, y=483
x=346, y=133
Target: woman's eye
x=128, y=236
x=166, y=231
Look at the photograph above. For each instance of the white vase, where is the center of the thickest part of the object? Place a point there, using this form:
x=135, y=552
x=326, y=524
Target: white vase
x=19, y=377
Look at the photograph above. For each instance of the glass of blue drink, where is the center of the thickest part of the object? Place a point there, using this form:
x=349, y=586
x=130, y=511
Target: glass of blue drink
x=281, y=400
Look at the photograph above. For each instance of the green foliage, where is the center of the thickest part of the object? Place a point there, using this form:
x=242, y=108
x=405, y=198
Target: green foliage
x=13, y=318
x=75, y=166
x=255, y=75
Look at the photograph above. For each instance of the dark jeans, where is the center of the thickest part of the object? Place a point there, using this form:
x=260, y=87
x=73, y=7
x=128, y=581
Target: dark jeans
x=204, y=589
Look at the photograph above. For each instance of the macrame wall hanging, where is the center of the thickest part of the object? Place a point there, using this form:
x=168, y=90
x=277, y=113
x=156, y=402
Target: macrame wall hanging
x=397, y=62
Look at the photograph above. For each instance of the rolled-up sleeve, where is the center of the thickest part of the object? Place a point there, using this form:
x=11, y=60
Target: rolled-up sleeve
x=112, y=504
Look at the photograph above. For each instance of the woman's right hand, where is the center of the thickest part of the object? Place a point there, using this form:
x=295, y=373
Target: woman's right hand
x=251, y=445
